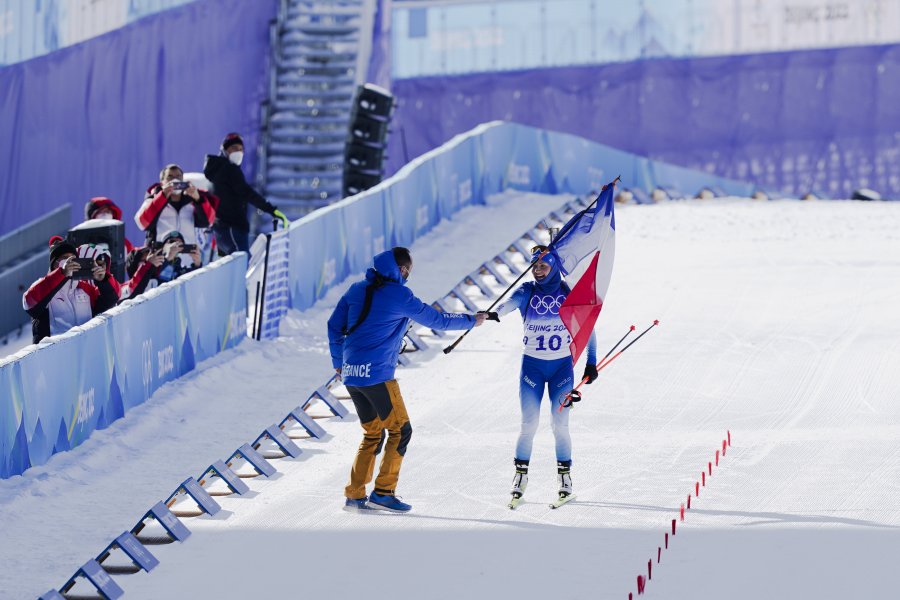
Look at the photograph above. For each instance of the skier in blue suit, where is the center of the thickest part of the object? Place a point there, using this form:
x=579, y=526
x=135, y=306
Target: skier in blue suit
x=365, y=332
x=546, y=362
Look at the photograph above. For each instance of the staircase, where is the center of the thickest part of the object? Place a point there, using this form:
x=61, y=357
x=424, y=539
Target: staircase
x=321, y=51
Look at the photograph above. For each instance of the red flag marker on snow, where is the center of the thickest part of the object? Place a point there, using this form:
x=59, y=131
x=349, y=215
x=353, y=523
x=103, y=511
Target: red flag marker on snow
x=682, y=512
x=689, y=502
x=717, y=458
x=703, y=477
x=673, y=526
x=667, y=541
x=658, y=554
x=640, y=584
x=729, y=437
x=649, y=569
x=710, y=467
x=724, y=443
x=629, y=596
x=697, y=488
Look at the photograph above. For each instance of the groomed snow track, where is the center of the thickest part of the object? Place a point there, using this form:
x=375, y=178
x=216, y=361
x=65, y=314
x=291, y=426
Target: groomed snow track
x=776, y=324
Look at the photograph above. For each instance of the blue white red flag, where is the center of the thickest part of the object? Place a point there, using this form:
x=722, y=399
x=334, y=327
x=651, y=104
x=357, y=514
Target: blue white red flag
x=586, y=232
x=582, y=306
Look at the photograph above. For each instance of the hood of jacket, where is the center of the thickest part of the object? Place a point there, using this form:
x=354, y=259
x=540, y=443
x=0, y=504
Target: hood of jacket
x=213, y=164
x=99, y=203
x=385, y=266
x=553, y=280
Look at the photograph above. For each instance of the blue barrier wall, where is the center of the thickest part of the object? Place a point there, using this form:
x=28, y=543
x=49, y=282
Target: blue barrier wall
x=338, y=241
x=822, y=121
x=53, y=396
x=101, y=118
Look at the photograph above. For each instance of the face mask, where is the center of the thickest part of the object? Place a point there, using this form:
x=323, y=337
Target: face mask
x=236, y=157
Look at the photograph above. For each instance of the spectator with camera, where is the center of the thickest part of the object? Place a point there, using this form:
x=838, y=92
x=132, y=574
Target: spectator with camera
x=224, y=171
x=173, y=204
x=77, y=287
x=160, y=263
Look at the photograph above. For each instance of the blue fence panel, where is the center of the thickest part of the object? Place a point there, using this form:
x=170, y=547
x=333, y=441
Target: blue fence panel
x=368, y=226
x=54, y=395
x=412, y=202
x=318, y=256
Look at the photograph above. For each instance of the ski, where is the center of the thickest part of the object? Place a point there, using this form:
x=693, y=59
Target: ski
x=562, y=500
x=515, y=502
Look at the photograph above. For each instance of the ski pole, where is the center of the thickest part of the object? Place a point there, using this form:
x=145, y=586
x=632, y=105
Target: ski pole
x=565, y=230
x=568, y=399
x=602, y=365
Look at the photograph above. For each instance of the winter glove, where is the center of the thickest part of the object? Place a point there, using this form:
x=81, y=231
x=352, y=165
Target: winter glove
x=491, y=316
x=590, y=373
x=280, y=215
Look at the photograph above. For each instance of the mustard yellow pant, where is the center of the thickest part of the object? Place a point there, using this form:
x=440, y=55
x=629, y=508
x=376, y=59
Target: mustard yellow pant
x=380, y=408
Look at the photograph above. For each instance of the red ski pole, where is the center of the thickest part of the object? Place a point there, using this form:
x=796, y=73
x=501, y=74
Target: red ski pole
x=603, y=363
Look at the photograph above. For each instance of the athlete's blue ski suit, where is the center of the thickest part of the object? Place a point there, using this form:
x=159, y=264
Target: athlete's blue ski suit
x=547, y=360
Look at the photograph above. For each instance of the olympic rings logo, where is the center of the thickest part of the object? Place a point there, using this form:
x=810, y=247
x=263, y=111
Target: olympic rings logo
x=541, y=305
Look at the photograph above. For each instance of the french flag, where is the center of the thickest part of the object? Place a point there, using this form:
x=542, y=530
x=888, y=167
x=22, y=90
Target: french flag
x=590, y=232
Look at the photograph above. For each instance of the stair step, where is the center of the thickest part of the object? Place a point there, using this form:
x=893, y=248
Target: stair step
x=323, y=163
x=327, y=56
x=308, y=99
x=309, y=35
x=292, y=118
x=295, y=149
x=325, y=110
x=300, y=29
x=306, y=78
x=282, y=174
x=324, y=11
x=309, y=136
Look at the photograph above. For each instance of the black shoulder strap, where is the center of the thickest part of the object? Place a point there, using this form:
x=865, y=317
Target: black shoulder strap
x=367, y=305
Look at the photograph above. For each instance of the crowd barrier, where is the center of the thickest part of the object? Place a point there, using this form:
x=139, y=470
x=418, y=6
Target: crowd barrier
x=55, y=394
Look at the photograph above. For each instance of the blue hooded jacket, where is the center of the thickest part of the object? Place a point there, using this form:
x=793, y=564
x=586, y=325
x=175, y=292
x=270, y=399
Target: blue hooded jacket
x=369, y=354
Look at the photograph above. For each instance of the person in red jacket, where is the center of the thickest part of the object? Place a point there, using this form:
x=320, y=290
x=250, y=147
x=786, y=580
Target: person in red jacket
x=103, y=208
x=57, y=302
x=175, y=205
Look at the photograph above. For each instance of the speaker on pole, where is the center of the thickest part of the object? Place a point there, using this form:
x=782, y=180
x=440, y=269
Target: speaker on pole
x=366, y=138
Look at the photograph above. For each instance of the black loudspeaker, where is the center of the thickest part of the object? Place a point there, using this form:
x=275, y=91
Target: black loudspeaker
x=107, y=232
x=366, y=138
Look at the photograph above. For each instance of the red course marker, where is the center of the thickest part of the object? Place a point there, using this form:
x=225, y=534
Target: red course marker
x=724, y=443
x=682, y=512
x=640, y=585
x=697, y=488
x=658, y=554
x=717, y=458
x=673, y=526
x=649, y=570
x=703, y=477
x=729, y=438
x=710, y=468
x=667, y=541
x=689, y=502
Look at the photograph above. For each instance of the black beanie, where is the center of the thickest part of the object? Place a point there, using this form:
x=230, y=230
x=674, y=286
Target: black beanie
x=60, y=246
x=230, y=140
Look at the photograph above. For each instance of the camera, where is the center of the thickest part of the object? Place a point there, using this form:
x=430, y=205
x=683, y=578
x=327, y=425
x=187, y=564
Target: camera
x=188, y=248
x=86, y=266
x=180, y=185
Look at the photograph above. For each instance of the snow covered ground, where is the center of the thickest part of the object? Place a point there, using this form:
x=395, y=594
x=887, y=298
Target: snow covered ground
x=777, y=323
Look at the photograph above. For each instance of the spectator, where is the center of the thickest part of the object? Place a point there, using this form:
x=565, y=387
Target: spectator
x=169, y=260
x=105, y=209
x=231, y=226
x=175, y=205
x=61, y=300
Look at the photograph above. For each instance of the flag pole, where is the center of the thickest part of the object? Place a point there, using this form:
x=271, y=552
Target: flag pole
x=571, y=224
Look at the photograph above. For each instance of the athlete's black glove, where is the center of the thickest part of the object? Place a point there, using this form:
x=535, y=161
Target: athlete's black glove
x=491, y=316
x=590, y=372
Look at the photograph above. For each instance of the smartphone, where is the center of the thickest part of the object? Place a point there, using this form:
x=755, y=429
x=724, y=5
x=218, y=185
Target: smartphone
x=180, y=185
x=188, y=248
x=85, y=272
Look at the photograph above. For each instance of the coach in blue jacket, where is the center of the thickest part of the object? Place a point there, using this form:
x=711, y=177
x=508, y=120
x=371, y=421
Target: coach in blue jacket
x=365, y=332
